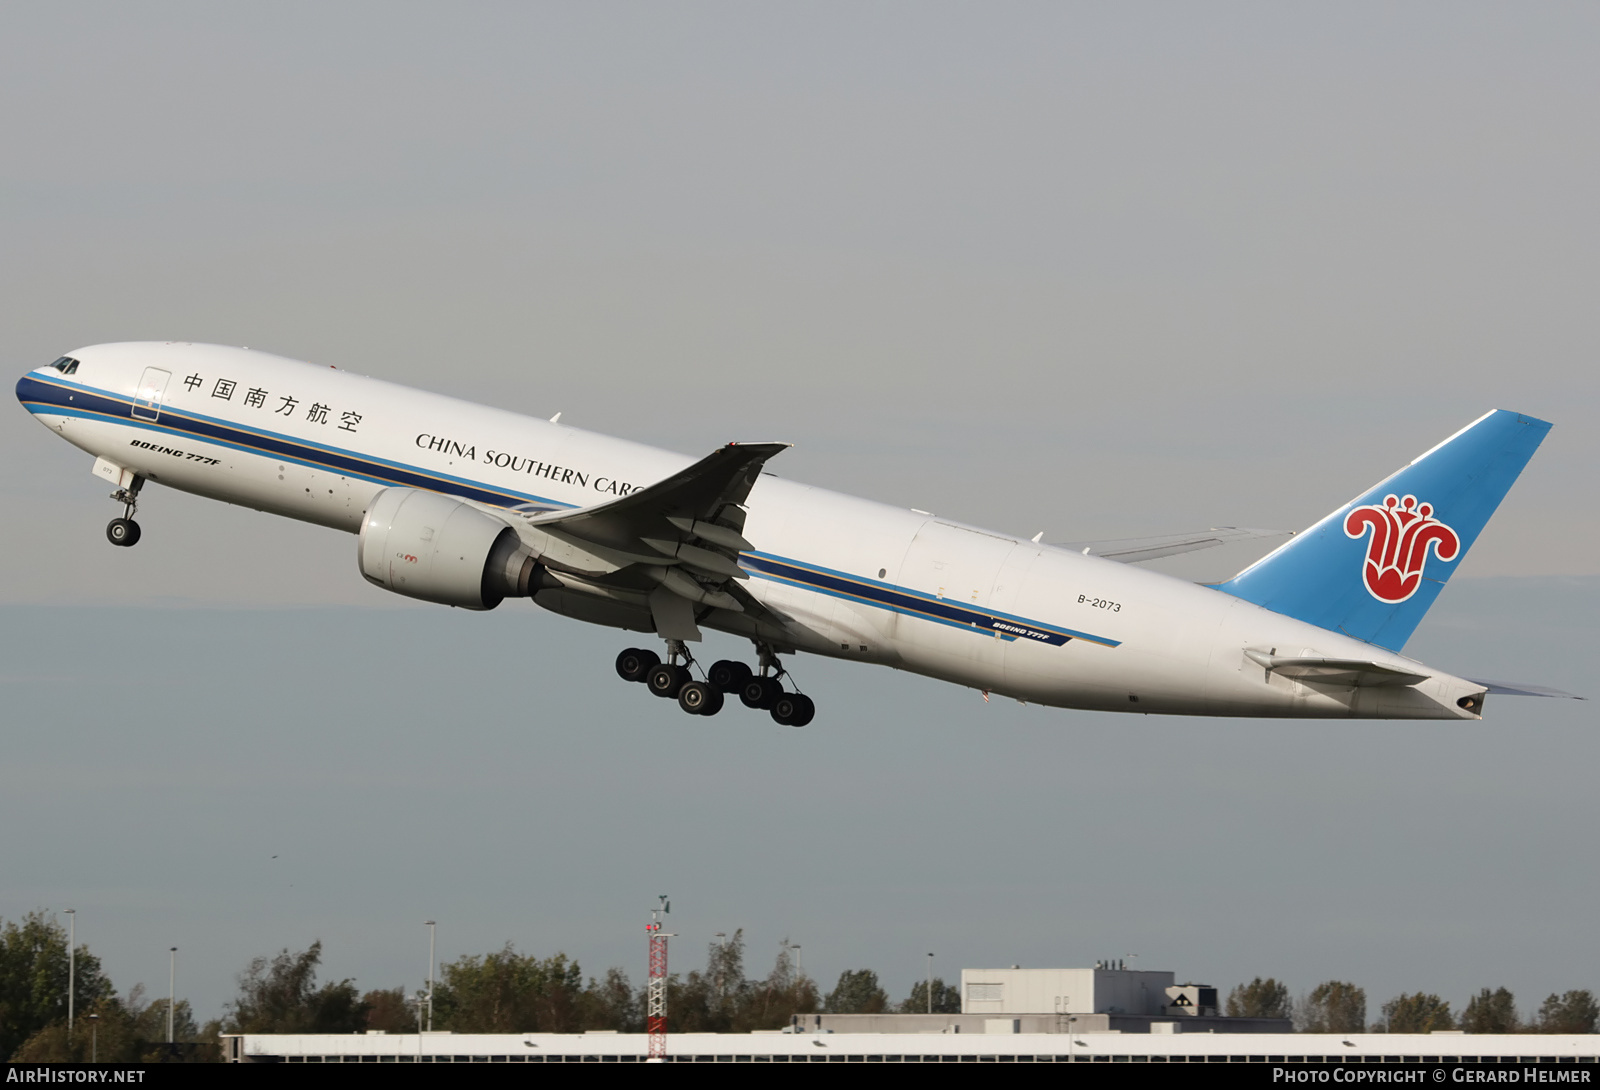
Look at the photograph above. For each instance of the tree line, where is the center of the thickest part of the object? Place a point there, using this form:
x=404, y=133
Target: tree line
x=501, y=992
x=511, y=992
x=132, y=1028
x=1336, y=1006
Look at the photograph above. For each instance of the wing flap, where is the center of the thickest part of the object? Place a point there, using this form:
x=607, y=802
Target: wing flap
x=679, y=537
x=696, y=493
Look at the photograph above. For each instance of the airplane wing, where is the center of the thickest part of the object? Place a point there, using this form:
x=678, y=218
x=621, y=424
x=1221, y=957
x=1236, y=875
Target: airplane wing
x=679, y=539
x=698, y=493
x=1135, y=550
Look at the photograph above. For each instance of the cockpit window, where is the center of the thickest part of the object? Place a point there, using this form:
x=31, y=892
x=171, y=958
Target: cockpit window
x=66, y=365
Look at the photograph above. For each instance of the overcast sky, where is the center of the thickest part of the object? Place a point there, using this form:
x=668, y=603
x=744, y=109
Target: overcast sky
x=1094, y=270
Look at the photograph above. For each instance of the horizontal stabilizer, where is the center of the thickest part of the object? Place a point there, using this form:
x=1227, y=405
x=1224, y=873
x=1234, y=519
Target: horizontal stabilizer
x=1517, y=688
x=1136, y=550
x=1361, y=673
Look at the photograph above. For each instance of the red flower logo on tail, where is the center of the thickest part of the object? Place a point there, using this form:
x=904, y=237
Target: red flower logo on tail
x=1402, y=533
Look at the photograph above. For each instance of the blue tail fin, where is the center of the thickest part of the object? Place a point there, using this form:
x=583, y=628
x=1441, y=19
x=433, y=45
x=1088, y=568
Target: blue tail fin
x=1372, y=568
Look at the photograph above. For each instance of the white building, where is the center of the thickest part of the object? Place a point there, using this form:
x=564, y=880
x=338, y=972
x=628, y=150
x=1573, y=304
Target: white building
x=1101, y=990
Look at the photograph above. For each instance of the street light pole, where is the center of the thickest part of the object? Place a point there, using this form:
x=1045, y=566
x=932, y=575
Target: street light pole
x=430, y=925
x=94, y=1038
x=795, y=946
x=172, y=992
x=930, y=982
x=719, y=940
x=72, y=965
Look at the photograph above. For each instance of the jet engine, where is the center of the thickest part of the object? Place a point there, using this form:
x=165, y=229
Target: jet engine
x=424, y=545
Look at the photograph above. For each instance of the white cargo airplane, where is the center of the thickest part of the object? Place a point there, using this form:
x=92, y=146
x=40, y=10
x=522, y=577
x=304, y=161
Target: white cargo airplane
x=465, y=506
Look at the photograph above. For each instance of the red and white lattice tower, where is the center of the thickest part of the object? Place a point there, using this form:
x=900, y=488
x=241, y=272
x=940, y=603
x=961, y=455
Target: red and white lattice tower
x=656, y=994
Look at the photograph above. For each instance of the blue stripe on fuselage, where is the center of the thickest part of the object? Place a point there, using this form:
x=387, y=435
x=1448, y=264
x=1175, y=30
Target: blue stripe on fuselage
x=840, y=584
x=82, y=401
x=76, y=400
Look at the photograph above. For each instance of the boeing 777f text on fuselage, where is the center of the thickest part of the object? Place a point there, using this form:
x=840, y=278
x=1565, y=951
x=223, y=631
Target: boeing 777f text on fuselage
x=466, y=506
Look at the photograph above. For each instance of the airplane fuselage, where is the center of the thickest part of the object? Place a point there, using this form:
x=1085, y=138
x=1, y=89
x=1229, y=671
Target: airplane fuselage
x=847, y=578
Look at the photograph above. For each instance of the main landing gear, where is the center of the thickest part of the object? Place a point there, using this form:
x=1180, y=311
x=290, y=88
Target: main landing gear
x=672, y=679
x=124, y=531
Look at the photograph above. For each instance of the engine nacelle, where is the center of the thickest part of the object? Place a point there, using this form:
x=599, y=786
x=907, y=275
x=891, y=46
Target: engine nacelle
x=428, y=546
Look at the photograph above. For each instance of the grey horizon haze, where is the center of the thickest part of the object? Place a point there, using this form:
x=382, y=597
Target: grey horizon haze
x=1096, y=271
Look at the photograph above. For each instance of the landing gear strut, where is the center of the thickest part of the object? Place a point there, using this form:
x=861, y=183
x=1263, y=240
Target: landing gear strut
x=666, y=678
x=124, y=531
x=766, y=691
x=673, y=679
x=670, y=679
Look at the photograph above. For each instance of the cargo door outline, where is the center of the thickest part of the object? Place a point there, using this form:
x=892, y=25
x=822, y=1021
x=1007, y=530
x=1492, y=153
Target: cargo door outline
x=152, y=390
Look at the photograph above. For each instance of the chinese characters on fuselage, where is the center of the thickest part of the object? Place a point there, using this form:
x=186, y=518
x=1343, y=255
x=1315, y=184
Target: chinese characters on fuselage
x=256, y=398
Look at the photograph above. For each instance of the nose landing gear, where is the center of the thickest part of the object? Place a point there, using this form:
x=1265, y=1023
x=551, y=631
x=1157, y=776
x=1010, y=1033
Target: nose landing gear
x=124, y=531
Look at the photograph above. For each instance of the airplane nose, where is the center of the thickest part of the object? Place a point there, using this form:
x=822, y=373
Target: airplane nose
x=29, y=387
x=28, y=394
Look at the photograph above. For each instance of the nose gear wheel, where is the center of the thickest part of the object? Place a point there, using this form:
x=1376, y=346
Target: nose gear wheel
x=124, y=532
